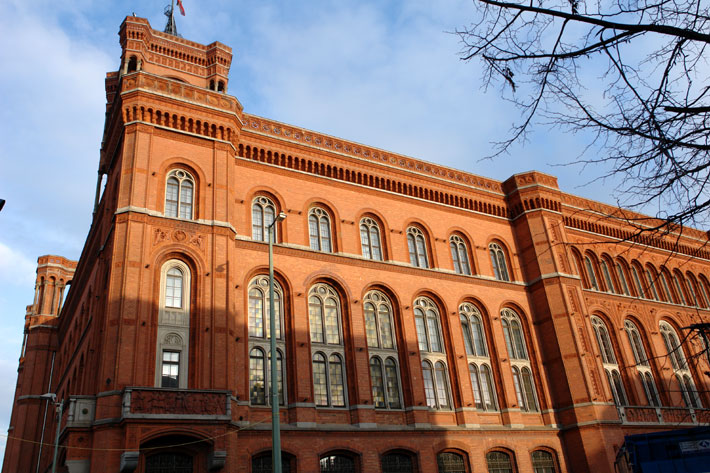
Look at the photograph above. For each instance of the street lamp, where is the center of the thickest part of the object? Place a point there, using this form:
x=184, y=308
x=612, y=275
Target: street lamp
x=60, y=407
x=275, y=421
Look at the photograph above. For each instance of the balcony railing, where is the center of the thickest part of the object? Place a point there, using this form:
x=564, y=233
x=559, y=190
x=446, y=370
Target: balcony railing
x=663, y=415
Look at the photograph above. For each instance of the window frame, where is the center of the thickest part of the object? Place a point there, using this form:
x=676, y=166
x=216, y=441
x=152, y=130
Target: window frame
x=263, y=203
x=459, y=255
x=367, y=247
x=417, y=244
x=317, y=241
x=499, y=261
x=182, y=176
x=519, y=358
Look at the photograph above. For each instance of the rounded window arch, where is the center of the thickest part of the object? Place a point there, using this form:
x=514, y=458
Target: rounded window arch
x=451, y=462
x=543, y=461
x=499, y=261
x=319, y=230
x=459, y=254
x=263, y=213
x=636, y=271
x=179, y=194
x=172, y=348
x=499, y=461
x=621, y=271
x=609, y=362
x=379, y=320
x=692, y=284
x=590, y=267
x=417, y=245
x=704, y=290
x=681, y=371
x=426, y=317
x=606, y=266
x=259, y=341
x=519, y=360
x=328, y=353
x=339, y=462
x=651, y=280
x=678, y=284
x=261, y=462
x=371, y=239
x=399, y=461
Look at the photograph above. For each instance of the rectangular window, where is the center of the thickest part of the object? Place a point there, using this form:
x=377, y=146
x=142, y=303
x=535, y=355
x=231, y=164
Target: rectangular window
x=170, y=369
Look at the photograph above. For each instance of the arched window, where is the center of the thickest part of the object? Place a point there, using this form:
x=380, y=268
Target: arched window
x=622, y=279
x=259, y=341
x=519, y=360
x=385, y=383
x=319, y=230
x=370, y=239
x=543, y=462
x=327, y=346
x=608, y=280
x=690, y=281
x=449, y=462
x=431, y=348
x=642, y=365
x=637, y=281
x=337, y=464
x=665, y=282
x=651, y=279
x=173, y=326
x=499, y=462
x=396, y=462
x=261, y=463
x=384, y=372
x=479, y=361
x=677, y=282
x=426, y=317
x=500, y=267
x=263, y=212
x=611, y=367
x=378, y=321
x=416, y=242
x=591, y=274
x=704, y=291
x=459, y=254
x=680, y=366
x=179, y=191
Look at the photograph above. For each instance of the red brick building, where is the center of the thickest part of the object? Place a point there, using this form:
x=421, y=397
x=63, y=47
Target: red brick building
x=430, y=319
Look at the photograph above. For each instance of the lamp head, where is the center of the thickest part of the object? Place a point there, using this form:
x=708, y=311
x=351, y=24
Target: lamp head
x=281, y=216
x=49, y=396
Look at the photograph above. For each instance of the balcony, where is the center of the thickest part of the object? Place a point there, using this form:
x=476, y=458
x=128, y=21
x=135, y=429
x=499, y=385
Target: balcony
x=642, y=415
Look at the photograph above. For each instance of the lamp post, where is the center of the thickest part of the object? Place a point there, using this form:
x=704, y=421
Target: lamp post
x=60, y=407
x=275, y=421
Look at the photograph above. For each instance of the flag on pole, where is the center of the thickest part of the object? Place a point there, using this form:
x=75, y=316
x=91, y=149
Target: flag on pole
x=182, y=9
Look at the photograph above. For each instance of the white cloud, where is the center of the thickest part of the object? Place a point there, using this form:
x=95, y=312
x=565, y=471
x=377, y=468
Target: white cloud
x=16, y=269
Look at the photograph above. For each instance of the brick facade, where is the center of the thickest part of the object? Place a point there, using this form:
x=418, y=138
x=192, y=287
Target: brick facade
x=185, y=166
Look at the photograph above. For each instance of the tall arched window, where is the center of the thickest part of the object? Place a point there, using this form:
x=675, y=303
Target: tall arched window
x=500, y=267
x=642, y=364
x=651, y=279
x=543, y=462
x=622, y=279
x=263, y=212
x=611, y=366
x=173, y=326
x=259, y=341
x=704, y=290
x=327, y=346
x=591, y=273
x=416, y=242
x=478, y=358
x=690, y=281
x=179, y=191
x=519, y=360
x=261, y=463
x=319, y=230
x=637, y=280
x=677, y=282
x=431, y=348
x=450, y=462
x=665, y=282
x=680, y=366
x=384, y=361
x=499, y=462
x=459, y=254
x=370, y=239
x=608, y=281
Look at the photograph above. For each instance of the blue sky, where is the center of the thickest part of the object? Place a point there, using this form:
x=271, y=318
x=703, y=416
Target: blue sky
x=380, y=72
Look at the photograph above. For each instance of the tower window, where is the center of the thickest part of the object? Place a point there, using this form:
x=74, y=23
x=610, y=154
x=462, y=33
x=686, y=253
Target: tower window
x=179, y=194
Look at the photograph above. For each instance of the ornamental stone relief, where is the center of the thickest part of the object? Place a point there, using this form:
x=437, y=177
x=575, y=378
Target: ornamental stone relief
x=178, y=402
x=166, y=235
